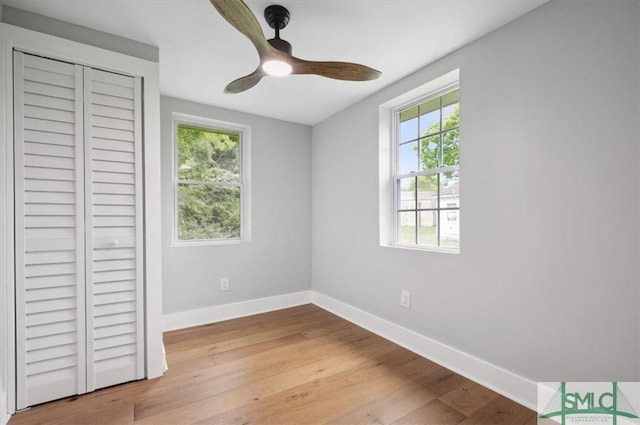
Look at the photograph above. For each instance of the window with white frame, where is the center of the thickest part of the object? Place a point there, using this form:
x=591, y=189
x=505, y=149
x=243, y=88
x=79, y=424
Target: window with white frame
x=426, y=172
x=211, y=181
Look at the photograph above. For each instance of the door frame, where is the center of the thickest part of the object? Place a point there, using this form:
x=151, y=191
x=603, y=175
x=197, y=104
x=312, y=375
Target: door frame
x=12, y=37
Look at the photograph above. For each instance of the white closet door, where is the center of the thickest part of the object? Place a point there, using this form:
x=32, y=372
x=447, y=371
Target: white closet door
x=49, y=230
x=113, y=197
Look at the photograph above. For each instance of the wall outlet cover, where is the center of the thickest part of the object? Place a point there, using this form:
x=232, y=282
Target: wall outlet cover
x=224, y=284
x=405, y=299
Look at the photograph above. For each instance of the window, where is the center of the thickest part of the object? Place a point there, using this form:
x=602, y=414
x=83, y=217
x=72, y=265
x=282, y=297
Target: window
x=426, y=172
x=211, y=181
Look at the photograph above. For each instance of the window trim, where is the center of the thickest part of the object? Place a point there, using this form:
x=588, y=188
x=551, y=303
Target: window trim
x=245, y=177
x=388, y=136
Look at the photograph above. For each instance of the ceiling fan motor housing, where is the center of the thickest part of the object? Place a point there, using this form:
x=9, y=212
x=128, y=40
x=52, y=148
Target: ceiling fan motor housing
x=278, y=17
x=280, y=44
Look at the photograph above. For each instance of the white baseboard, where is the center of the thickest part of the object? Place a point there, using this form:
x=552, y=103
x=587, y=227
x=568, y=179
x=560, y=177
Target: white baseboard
x=515, y=387
x=510, y=385
x=218, y=313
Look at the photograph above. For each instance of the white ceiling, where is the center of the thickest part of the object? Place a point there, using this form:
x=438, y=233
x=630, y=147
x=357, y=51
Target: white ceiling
x=200, y=53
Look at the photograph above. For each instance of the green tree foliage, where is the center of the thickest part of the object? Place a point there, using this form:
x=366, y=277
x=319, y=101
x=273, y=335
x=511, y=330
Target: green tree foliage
x=430, y=151
x=205, y=155
x=208, y=189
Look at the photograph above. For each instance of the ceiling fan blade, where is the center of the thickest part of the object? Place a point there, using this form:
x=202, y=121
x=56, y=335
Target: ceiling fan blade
x=238, y=14
x=246, y=82
x=336, y=70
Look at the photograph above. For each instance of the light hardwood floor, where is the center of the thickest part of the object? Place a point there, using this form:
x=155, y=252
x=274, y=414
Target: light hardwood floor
x=301, y=365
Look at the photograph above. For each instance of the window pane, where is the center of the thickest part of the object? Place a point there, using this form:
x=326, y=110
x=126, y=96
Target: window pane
x=407, y=227
x=450, y=148
x=430, y=117
x=450, y=117
x=208, y=155
x=408, y=158
x=407, y=194
x=450, y=228
x=430, y=152
x=450, y=189
x=427, y=228
x=208, y=212
x=451, y=98
x=450, y=110
x=428, y=191
x=409, y=124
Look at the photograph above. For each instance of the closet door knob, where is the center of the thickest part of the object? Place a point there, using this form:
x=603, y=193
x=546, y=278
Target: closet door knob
x=114, y=243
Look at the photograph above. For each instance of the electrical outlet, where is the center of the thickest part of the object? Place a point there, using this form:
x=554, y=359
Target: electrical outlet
x=405, y=299
x=224, y=284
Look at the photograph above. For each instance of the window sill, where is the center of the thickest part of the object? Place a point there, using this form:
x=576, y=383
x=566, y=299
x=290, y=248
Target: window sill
x=180, y=244
x=437, y=249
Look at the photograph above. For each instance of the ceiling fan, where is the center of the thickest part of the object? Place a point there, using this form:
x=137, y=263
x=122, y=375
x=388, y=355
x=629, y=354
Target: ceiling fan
x=275, y=54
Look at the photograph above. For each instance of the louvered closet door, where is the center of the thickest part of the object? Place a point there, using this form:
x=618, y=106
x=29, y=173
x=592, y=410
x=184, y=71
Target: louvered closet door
x=78, y=227
x=49, y=223
x=114, y=228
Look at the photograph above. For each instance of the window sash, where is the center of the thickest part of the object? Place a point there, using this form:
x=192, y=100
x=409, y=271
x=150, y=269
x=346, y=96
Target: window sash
x=218, y=226
x=209, y=182
x=212, y=129
x=428, y=172
x=397, y=178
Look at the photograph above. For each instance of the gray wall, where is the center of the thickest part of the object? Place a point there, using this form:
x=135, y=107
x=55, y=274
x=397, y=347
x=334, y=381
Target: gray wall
x=277, y=260
x=55, y=27
x=547, y=281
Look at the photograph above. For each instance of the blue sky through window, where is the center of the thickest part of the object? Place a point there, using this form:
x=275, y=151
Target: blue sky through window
x=410, y=130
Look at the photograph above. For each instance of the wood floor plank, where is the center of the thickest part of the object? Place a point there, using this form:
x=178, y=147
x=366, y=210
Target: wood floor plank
x=231, y=329
x=386, y=408
x=433, y=413
x=469, y=398
x=501, y=411
x=252, y=391
x=268, y=373
x=116, y=412
x=274, y=317
x=251, y=369
x=322, y=398
x=238, y=338
x=258, y=347
x=189, y=366
x=295, y=366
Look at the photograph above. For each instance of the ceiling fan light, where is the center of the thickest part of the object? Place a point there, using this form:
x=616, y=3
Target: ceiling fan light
x=277, y=68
